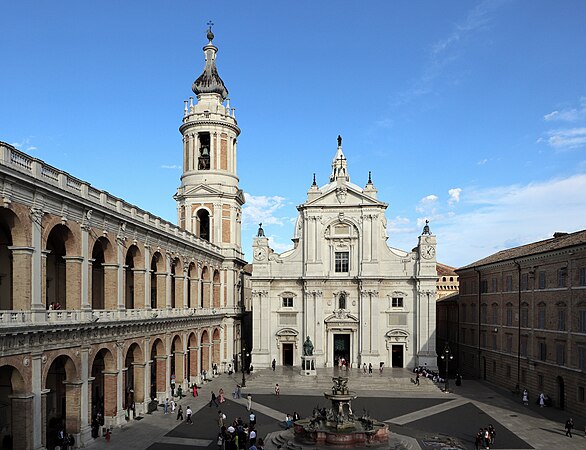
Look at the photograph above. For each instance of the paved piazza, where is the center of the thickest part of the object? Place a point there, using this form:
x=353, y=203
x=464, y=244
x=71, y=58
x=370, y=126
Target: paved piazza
x=421, y=415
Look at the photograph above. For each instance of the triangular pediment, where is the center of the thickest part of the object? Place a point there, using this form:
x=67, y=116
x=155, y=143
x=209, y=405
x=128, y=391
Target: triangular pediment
x=342, y=195
x=341, y=316
x=201, y=189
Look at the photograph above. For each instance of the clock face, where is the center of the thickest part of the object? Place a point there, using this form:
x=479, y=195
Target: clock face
x=428, y=251
x=259, y=253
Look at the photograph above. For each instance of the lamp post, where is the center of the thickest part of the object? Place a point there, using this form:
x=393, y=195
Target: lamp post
x=243, y=369
x=447, y=356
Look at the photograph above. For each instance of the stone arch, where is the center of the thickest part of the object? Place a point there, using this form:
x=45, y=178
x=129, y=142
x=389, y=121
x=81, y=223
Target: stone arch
x=203, y=220
x=191, y=285
x=61, y=277
x=216, y=346
x=176, y=282
x=133, y=382
x=104, y=387
x=216, y=288
x=134, y=277
x=102, y=275
x=176, y=355
x=204, y=344
x=17, y=409
x=9, y=224
x=63, y=397
x=205, y=287
x=69, y=232
x=158, y=354
x=192, y=360
x=157, y=280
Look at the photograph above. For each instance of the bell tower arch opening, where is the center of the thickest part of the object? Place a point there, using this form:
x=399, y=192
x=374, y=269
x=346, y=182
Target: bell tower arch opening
x=202, y=229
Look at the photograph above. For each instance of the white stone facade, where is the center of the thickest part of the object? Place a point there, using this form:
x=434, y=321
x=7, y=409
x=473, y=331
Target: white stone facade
x=343, y=286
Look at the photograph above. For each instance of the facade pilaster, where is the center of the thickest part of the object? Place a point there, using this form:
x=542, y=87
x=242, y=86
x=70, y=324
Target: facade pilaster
x=139, y=283
x=21, y=281
x=120, y=273
x=38, y=308
x=85, y=268
x=37, y=406
x=73, y=281
x=147, y=277
x=168, y=281
x=111, y=286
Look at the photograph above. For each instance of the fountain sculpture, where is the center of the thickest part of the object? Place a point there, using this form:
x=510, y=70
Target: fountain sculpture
x=338, y=426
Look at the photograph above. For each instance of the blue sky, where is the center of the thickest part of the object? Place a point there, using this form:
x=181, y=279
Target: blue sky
x=469, y=113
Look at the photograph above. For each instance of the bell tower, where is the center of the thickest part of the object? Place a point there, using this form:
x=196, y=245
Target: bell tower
x=209, y=200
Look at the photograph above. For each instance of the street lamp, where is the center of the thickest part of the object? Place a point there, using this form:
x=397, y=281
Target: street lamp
x=243, y=369
x=447, y=356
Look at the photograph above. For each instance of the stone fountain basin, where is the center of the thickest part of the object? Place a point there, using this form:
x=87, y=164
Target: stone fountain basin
x=340, y=397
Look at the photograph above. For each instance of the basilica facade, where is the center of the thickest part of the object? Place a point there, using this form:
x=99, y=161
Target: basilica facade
x=356, y=298
x=104, y=306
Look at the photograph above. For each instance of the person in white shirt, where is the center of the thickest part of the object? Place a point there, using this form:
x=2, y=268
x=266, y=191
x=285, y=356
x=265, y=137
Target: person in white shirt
x=188, y=413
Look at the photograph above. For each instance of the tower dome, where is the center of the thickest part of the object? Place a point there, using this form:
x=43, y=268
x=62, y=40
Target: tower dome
x=209, y=82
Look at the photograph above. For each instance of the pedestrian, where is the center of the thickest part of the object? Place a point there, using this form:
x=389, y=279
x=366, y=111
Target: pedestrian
x=221, y=438
x=478, y=440
x=173, y=406
x=417, y=378
x=252, y=436
x=213, y=400
x=221, y=419
x=166, y=406
x=260, y=445
x=569, y=426
x=248, y=402
x=277, y=389
x=486, y=438
x=492, y=433
x=180, y=413
x=252, y=419
x=525, y=397
x=288, y=421
x=541, y=400
x=381, y=367
x=274, y=364
x=369, y=368
x=364, y=368
x=108, y=434
x=188, y=413
x=295, y=416
x=221, y=395
x=195, y=390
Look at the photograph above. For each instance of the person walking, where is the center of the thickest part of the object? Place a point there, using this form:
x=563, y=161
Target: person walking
x=221, y=395
x=188, y=413
x=277, y=390
x=248, y=402
x=221, y=419
x=194, y=390
x=274, y=364
x=569, y=426
x=252, y=419
x=364, y=368
x=525, y=397
x=166, y=406
x=173, y=406
x=492, y=433
x=541, y=400
x=417, y=378
x=369, y=368
x=213, y=400
x=180, y=413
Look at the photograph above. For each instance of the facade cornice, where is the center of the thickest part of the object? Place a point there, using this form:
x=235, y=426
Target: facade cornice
x=206, y=123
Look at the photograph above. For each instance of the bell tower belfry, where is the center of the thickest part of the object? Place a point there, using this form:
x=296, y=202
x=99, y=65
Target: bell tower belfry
x=209, y=200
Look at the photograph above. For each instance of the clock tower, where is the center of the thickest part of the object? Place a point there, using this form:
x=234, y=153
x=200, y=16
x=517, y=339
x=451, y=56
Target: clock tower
x=209, y=200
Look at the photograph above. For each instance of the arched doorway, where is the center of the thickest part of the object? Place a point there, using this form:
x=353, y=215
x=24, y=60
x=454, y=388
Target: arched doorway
x=14, y=409
x=104, y=386
x=133, y=378
x=98, y=275
x=561, y=392
x=157, y=281
x=216, y=292
x=192, y=363
x=158, y=370
x=177, y=362
x=205, y=351
x=216, y=346
x=132, y=281
x=62, y=402
x=56, y=273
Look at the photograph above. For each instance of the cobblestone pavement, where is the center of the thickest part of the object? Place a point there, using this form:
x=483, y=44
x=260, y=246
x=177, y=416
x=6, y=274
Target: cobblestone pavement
x=424, y=414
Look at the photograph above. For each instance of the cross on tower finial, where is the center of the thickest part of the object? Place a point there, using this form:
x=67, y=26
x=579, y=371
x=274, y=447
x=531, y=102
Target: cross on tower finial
x=339, y=141
x=210, y=34
x=210, y=25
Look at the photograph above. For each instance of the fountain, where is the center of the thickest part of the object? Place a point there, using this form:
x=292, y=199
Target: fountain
x=338, y=426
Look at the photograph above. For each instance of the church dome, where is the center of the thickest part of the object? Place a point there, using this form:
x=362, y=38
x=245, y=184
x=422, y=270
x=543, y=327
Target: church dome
x=209, y=82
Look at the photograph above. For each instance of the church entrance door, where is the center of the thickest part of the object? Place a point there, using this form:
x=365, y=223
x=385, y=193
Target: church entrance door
x=397, y=356
x=287, y=354
x=342, y=347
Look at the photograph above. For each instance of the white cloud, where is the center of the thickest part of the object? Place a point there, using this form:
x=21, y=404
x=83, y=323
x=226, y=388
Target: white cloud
x=262, y=208
x=482, y=162
x=565, y=139
x=568, y=114
x=427, y=204
x=170, y=166
x=277, y=246
x=24, y=145
x=400, y=225
x=429, y=198
x=454, y=195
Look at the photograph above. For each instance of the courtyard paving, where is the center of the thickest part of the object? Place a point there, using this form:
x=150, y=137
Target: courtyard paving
x=424, y=415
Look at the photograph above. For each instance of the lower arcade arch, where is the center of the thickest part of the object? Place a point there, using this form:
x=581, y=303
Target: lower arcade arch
x=15, y=406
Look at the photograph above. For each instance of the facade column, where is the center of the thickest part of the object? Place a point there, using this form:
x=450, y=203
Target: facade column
x=38, y=406
x=139, y=382
x=180, y=299
x=73, y=407
x=38, y=278
x=186, y=287
x=120, y=388
x=161, y=381
x=193, y=364
x=21, y=277
x=121, y=287
x=85, y=428
x=85, y=269
x=111, y=396
x=228, y=325
x=139, y=283
x=168, y=281
x=111, y=286
x=178, y=369
x=22, y=420
x=73, y=282
x=223, y=283
x=161, y=290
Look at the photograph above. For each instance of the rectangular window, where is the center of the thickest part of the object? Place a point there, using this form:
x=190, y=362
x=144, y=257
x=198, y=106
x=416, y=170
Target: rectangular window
x=562, y=276
x=495, y=315
x=509, y=343
x=525, y=317
x=541, y=317
x=540, y=381
x=483, y=286
x=483, y=313
x=494, y=285
x=582, y=358
x=287, y=302
x=397, y=302
x=582, y=280
x=562, y=320
x=581, y=394
x=474, y=314
x=524, y=340
x=509, y=316
x=560, y=353
x=483, y=338
x=582, y=315
x=541, y=280
x=524, y=281
x=494, y=367
x=509, y=283
x=342, y=261
x=542, y=351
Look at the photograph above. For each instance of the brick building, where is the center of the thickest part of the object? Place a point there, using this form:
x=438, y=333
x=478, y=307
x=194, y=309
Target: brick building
x=522, y=319
x=103, y=305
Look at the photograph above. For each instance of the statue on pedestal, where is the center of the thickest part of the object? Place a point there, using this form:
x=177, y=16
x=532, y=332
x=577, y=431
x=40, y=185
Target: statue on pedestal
x=307, y=347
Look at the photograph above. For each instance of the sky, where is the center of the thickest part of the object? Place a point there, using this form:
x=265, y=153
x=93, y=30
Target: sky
x=471, y=114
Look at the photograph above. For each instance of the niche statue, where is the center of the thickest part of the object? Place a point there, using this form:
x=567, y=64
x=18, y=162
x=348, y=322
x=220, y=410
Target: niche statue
x=307, y=347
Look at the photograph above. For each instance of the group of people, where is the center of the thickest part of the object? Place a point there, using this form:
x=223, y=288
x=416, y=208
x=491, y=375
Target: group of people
x=485, y=438
x=217, y=399
x=422, y=371
x=239, y=434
